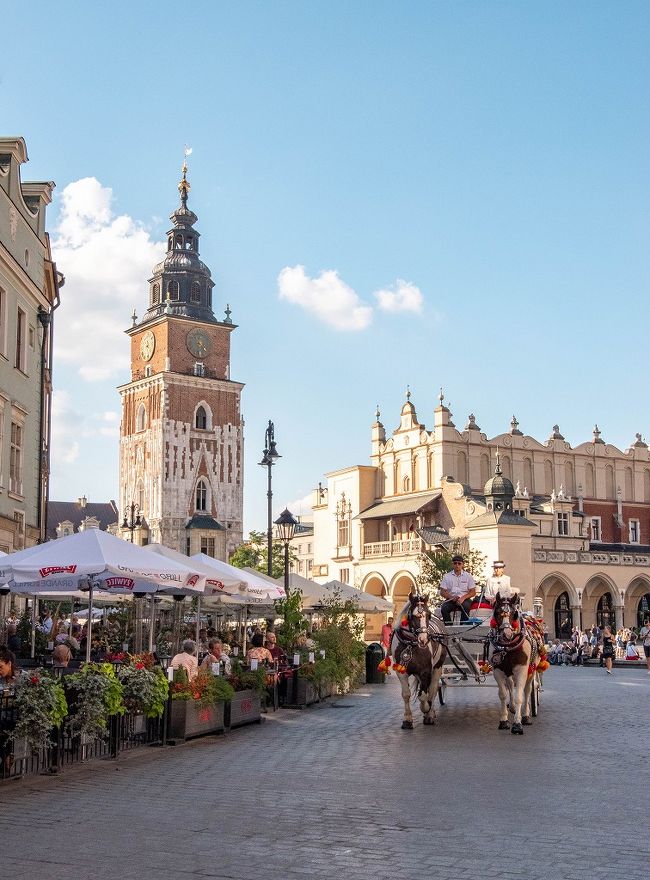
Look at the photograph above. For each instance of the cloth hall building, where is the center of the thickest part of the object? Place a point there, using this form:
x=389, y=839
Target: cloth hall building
x=571, y=523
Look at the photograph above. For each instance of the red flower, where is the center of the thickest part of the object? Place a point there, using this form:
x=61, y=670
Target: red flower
x=34, y=679
x=139, y=665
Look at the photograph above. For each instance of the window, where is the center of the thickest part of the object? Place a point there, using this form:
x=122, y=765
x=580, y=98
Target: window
x=344, y=575
x=188, y=547
x=199, y=369
x=189, y=243
x=207, y=546
x=19, y=363
x=147, y=371
x=563, y=524
x=141, y=418
x=16, y=460
x=155, y=294
x=406, y=484
x=310, y=549
x=595, y=529
x=19, y=533
x=310, y=565
x=343, y=533
x=172, y=289
x=3, y=322
x=201, y=496
x=179, y=242
x=635, y=531
x=201, y=420
x=195, y=293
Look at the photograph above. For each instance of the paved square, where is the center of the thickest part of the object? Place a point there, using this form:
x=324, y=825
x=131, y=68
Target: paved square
x=340, y=791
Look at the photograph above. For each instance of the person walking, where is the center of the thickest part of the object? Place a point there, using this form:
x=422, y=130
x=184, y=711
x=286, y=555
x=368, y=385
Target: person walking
x=608, y=649
x=644, y=635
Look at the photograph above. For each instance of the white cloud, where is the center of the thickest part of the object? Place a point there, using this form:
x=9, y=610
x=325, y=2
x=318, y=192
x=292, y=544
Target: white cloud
x=404, y=296
x=67, y=424
x=327, y=297
x=302, y=506
x=106, y=261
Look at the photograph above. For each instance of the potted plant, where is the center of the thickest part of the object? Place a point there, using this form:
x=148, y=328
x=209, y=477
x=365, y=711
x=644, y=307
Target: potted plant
x=198, y=705
x=249, y=686
x=340, y=638
x=144, y=688
x=95, y=695
x=40, y=707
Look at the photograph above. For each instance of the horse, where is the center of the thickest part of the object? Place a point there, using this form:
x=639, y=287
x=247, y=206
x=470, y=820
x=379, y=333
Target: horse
x=419, y=655
x=516, y=645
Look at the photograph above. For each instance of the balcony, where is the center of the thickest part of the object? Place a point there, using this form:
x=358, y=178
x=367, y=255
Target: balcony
x=409, y=547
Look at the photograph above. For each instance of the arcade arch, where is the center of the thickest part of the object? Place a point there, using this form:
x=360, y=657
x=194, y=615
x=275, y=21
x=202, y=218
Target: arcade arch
x=375, y=585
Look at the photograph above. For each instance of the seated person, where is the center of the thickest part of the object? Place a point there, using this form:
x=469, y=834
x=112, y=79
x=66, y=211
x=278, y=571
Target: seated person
x=187, y=659
x=61, y=656
x=498, y=582
x=458, y=589
x=274, y=649
x=257, y=651
x=215, y=655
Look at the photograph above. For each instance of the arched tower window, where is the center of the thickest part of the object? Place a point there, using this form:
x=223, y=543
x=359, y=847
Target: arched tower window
x=155, y=294
x=610, y=491
x=569, y=478
x=201, y=419
x=179, y=242
x=485, y=469
x=461, y=467
x=141, y=418
x=548, y=476
x=195, y=293
x=528, y=475
x=189, y=243
x=590, y=482
x=201, y=495
x=173, y=289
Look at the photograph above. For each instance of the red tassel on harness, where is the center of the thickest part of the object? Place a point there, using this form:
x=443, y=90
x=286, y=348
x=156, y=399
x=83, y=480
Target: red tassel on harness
x=404, y=622
x=531, y=668
x=493, y=623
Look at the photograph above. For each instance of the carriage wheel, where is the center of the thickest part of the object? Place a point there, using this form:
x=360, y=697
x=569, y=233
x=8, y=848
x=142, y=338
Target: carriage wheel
x=441, y=693
x=534, y=697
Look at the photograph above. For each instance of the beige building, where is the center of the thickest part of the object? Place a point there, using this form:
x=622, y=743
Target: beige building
x=29, y=294
x=572, y=524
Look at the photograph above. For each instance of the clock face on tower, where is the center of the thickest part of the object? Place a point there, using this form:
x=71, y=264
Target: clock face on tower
x=199, y=343
x=147, y=345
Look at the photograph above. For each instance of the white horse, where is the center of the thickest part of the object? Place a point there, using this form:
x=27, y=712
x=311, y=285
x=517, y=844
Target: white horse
x=418, y=655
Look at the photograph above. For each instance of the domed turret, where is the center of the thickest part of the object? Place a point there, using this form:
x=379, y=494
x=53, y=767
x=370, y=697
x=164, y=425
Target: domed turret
x=499, y=490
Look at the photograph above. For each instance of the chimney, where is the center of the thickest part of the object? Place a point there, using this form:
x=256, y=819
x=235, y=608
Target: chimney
x=82, y=502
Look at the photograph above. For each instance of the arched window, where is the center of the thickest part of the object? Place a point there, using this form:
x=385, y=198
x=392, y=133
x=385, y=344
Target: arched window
x=406, y=484
x=172, y=289
x=141, y=418
x=610, y=491
x=195, y=293
x=569, y=479
x=643, y=610
x=461, y=467
x=506, y=467
x=629, y=485
x=528, y=476
x=201, y=419
x=548, y=476
x=605, y=611
x=155, y=295
x=189, y=243
x=485, y=469
x=139, y=495
x=179, y=242
x=563, y=617
x=590, y=482
x=201, y=495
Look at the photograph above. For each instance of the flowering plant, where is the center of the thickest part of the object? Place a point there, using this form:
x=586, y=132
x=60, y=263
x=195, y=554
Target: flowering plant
x=41, y=705
x=116, y=657
x=96, y=694
x=243, y=679
x=144, y=686
x=205, y=689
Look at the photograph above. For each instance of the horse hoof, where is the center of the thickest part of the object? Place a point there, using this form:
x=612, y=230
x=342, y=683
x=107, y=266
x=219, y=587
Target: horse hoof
x=428, y=720
x=407, y=725
x=517, y=728
x=503, y=725
x=526, y=720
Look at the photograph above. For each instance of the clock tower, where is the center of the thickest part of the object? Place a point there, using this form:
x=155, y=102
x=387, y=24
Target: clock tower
x=181, y=433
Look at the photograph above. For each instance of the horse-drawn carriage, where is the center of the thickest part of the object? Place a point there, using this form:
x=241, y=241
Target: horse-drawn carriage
x=430, y=656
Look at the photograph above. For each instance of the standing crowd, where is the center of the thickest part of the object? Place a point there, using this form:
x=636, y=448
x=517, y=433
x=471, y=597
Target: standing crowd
x=602, y=644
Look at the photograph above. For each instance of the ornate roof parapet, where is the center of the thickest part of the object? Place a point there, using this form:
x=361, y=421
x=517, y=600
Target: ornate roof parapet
x=597, y=437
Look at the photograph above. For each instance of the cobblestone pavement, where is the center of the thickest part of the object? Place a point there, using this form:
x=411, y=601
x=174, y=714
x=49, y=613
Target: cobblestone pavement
x=341, y=791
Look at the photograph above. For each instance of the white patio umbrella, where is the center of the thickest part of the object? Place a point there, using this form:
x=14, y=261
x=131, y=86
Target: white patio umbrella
x=255, y=589
x=313, y=594
x=366, y=602
x=91, y=560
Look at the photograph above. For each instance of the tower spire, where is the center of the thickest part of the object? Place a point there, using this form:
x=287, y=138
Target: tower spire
x=184, y=185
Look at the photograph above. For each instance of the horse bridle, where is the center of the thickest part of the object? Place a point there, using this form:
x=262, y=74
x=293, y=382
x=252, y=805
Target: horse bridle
x=423, y=619
x=506, y=623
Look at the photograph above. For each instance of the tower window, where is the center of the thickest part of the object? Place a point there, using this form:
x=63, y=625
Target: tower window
x=201, y=419
x=155, y=295
x=199, y=369
x=201, y=495
x=173, y=289
x=179, y=242
x=141, y=418
x=189, y=243
x=195, y=294
x=147, y=371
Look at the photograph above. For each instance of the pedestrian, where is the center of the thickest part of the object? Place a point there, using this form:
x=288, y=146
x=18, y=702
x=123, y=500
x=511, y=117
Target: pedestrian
x=608, y=649
x=458, y=589
x=387, y=635
x=644, y=634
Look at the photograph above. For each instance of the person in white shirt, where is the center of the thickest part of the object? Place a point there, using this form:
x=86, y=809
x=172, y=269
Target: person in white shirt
x=498, y=582
x=644, y=633
x=458, y=589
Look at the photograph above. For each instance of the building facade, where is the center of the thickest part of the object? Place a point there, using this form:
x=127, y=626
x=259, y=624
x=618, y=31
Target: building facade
x=67, y=517
x=29, y=294
x=181, y=432
x=572, y=524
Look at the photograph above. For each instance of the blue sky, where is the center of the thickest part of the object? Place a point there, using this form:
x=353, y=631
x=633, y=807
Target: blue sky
x=485, y=163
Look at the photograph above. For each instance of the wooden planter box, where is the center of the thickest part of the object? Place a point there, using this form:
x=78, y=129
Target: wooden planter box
x=187, y=719
x=300, y=692
x=244, y=708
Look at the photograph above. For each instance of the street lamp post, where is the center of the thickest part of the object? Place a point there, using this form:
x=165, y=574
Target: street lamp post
x=286, y=526
x=134, y=521
x=269, y=457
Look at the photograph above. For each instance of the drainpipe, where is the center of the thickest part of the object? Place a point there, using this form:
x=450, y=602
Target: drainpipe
x=46, y=321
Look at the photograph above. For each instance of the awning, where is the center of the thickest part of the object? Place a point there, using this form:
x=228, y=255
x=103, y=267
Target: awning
x=399, y=506
x=435, y=536
x=208, y=523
